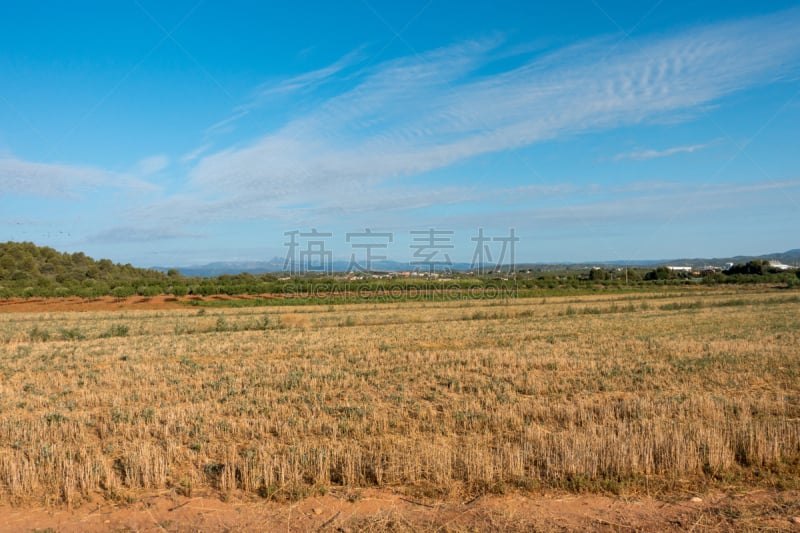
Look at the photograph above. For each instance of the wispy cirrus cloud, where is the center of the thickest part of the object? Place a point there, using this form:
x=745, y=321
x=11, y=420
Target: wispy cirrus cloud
x=305, y=81
x=194, y=154
x=594, y=206
x=268, y=91
x=411, y=115
x=642, y=155
x=21, y=177
x=152, y=164
x=138, y=234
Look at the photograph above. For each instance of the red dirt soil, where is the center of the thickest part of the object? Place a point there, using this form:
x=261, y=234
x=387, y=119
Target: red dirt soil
x=385, y=510
x=104, y=303
x=110, y=303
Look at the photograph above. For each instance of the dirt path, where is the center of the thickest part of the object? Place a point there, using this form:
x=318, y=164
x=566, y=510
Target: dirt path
x=383, y=510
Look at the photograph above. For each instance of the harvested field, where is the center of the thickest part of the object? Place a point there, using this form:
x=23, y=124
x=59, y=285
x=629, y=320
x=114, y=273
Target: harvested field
x=658, y=395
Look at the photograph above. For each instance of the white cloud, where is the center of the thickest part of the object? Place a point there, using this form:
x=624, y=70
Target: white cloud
x=226, y=125
x=137, y=234
x=280, y=89
x=22, y=177
x=49, y=179
x=305, y=81
x=419, y=113
x=43, y=179
x=152, y=165
x=194, y=154
x=641, y=155
x=675, y=203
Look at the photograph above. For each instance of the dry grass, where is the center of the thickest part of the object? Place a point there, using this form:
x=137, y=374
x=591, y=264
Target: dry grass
x=642, y=392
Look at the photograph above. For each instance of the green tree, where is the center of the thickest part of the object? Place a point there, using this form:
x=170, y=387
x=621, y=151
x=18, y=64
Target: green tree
x=660, y=273
x=122, y=291
x=179, y=290
x=755, y=267
x=598, y=274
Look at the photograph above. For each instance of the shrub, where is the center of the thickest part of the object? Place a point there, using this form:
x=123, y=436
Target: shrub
x=117, y=330
x=179, y=290
x=123, y=291
x=37, y=334
x=73, y=334
x=148, y=291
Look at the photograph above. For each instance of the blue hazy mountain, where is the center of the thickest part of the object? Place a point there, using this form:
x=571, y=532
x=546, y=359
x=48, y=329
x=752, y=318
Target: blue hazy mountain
x=277, y=264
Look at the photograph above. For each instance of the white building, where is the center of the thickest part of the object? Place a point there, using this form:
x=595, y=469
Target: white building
x=773, y=263
x=680, y=268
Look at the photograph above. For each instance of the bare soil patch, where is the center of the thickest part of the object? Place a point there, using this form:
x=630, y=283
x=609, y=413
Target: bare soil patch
x=385, y=510
x=104, y=303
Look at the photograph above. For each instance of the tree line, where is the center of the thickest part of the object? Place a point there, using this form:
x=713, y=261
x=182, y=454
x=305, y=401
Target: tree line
x=27, y=270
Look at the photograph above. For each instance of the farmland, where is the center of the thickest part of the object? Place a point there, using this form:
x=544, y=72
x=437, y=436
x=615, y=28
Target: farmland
x=647, y=393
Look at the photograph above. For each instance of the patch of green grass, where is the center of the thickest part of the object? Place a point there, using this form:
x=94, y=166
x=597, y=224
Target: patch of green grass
x=678, y=306
x=73, y=334
x=117, y=330
x=37, y=334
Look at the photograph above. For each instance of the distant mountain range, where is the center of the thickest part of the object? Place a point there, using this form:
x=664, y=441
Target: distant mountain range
x=276, y=265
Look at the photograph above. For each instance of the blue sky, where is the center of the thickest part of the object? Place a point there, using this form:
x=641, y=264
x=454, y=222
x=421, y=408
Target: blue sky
x=178, y=133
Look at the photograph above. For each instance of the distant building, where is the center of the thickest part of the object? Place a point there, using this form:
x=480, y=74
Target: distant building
x=774, y=263
x=680, y=268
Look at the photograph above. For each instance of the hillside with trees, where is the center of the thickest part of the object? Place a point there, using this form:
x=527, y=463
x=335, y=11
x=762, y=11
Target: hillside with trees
x=30, y=270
